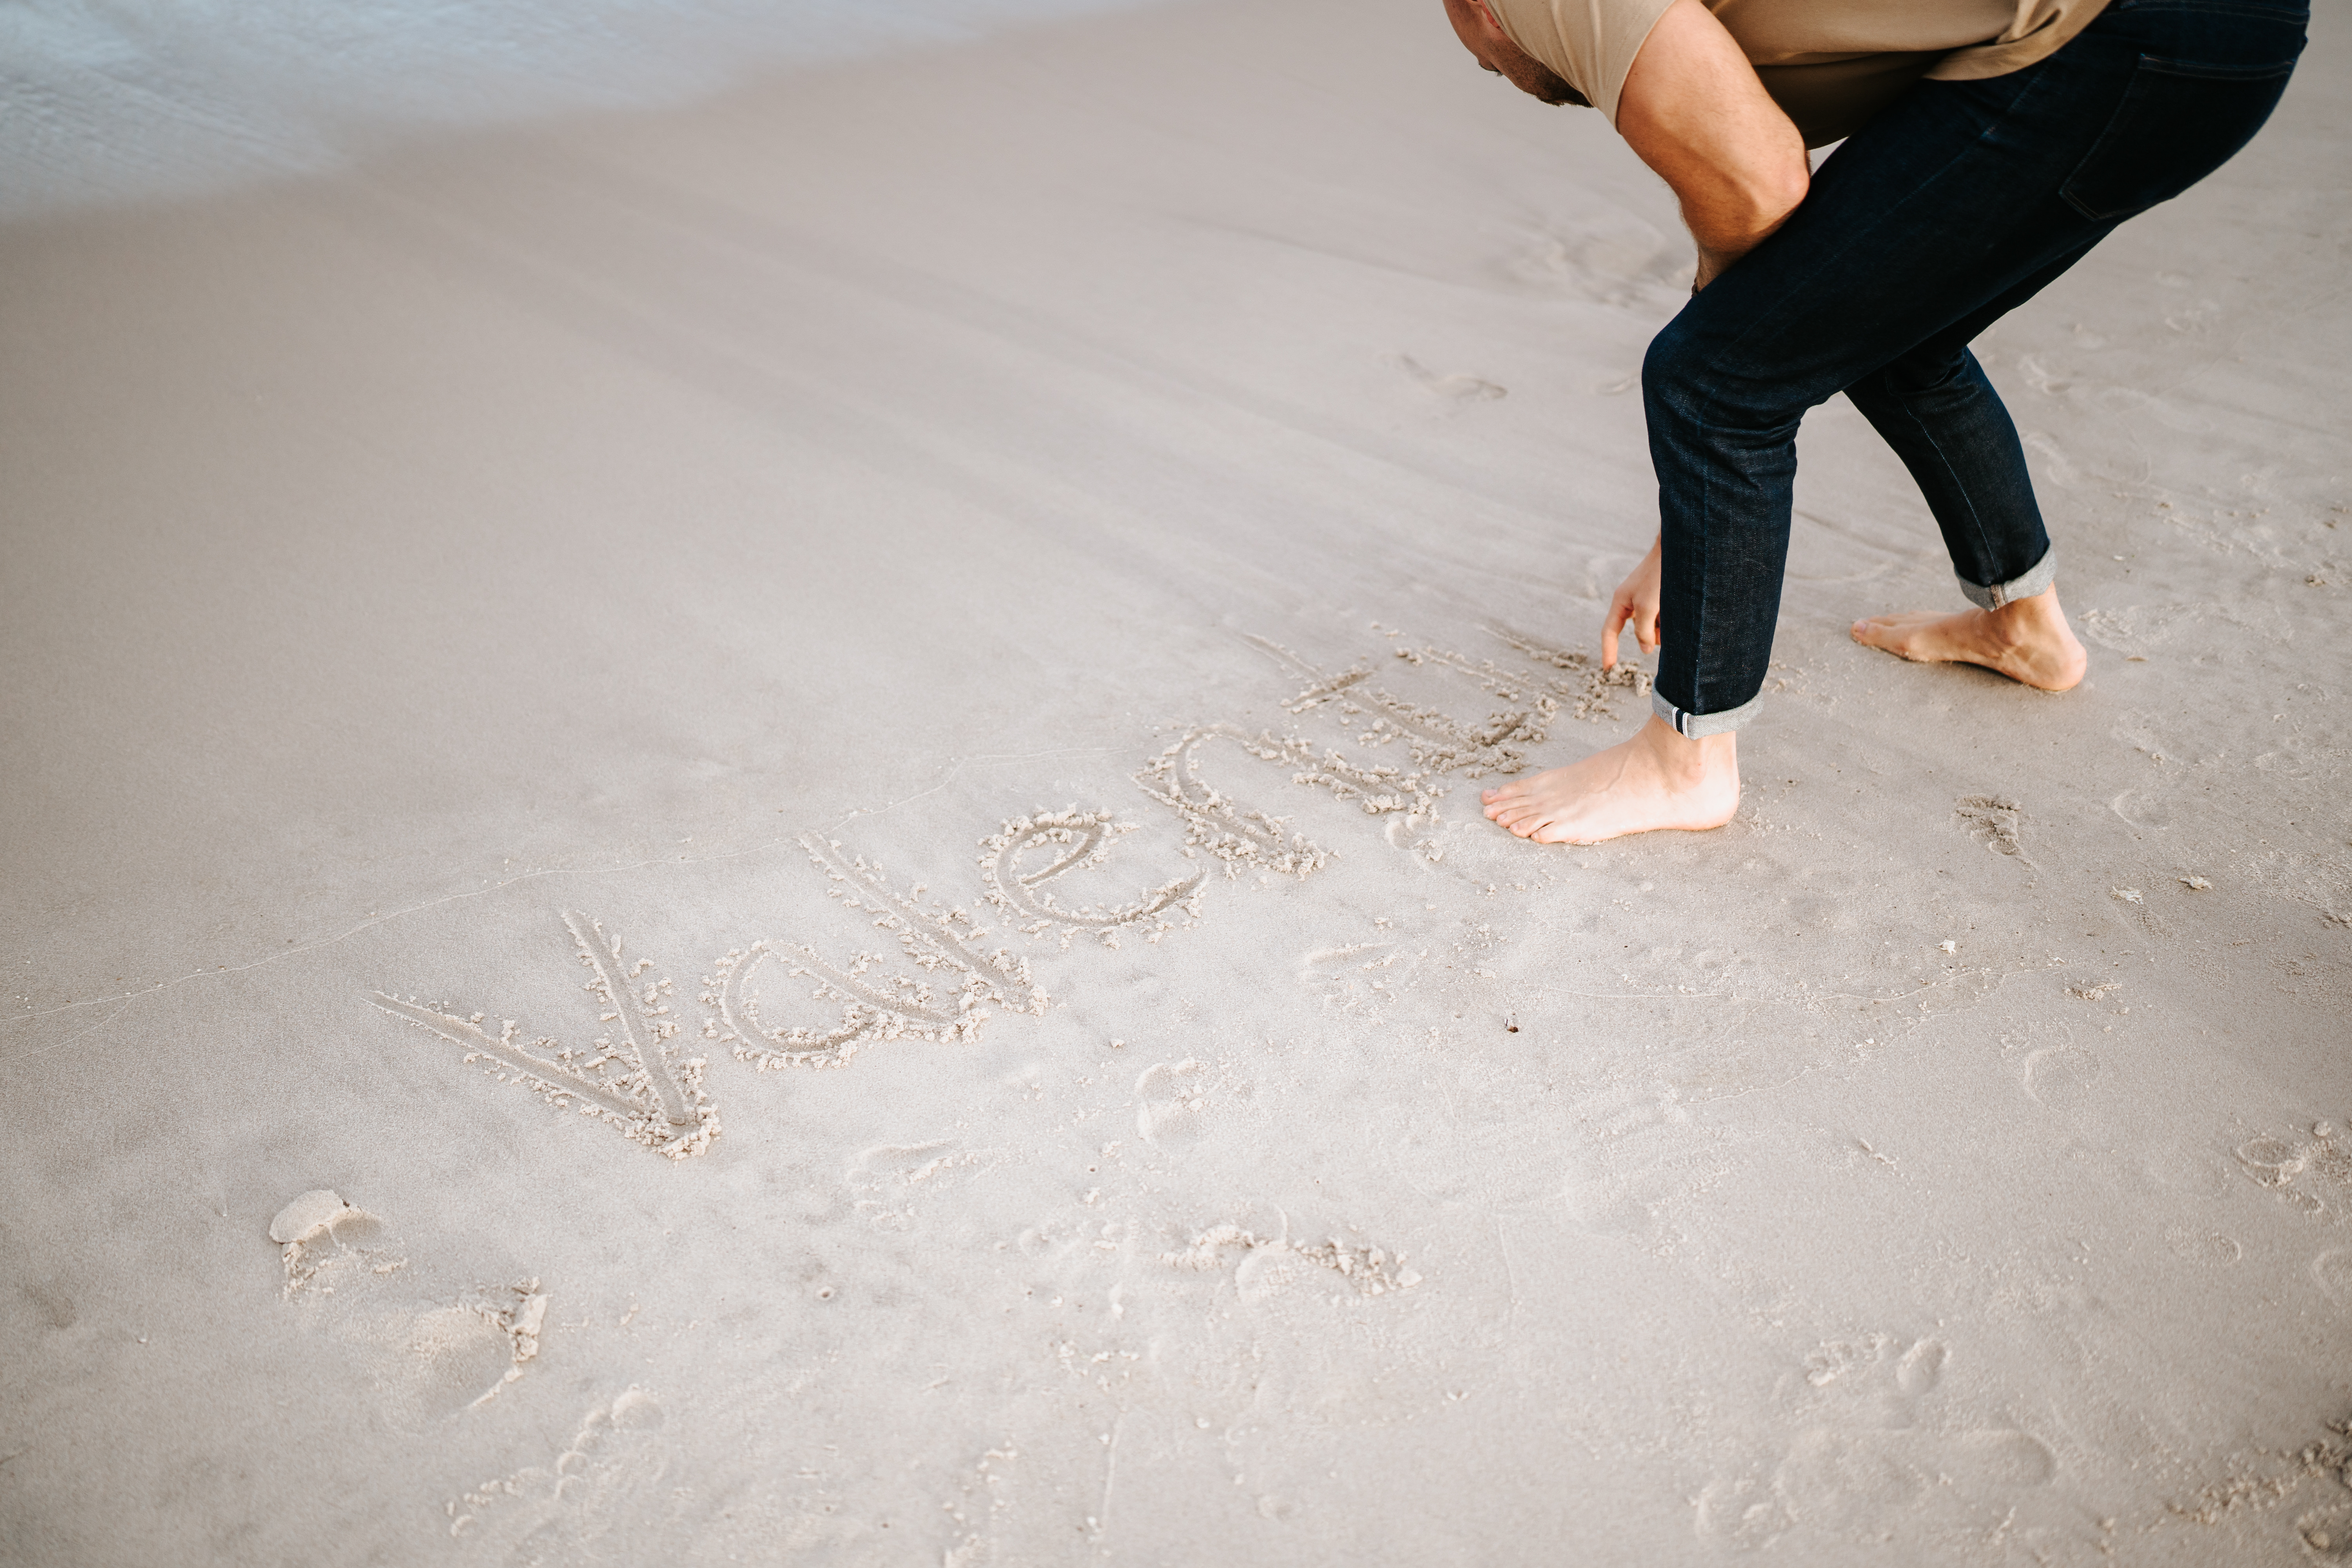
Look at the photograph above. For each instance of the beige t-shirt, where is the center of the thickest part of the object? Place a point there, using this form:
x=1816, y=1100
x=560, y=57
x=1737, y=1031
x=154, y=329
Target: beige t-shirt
x=1830, y=64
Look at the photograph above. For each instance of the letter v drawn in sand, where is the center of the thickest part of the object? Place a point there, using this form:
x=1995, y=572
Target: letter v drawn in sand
x=1083, y=839
x=948, y=1001
x=639, y=1085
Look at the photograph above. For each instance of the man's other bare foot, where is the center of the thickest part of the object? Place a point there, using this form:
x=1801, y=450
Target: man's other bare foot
x=2027, y=639
x=1656, y=779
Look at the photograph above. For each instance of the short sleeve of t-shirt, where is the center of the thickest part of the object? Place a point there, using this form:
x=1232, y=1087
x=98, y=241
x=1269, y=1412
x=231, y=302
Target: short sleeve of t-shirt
x=1830, y=64
x=1592, y=43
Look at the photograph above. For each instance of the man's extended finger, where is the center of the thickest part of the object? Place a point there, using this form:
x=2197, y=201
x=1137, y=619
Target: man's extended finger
x=1619, y=613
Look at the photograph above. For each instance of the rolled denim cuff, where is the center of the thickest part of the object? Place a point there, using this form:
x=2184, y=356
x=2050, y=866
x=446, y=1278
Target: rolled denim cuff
x=2037, y=579
x=1697, y=724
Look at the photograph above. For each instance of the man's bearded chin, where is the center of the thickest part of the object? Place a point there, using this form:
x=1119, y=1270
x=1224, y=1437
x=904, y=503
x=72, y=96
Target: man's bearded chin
x=1552, y=87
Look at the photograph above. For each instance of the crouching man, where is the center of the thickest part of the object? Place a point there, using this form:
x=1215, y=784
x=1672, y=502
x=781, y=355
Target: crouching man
x=1989, y=144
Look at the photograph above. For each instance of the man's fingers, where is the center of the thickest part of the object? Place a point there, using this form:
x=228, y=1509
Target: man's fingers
x=1619, y=612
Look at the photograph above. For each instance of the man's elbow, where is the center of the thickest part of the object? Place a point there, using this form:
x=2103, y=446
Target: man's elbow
x=1769, y=194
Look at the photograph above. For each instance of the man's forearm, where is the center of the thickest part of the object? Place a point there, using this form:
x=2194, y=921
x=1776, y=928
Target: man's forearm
x=1694, y=110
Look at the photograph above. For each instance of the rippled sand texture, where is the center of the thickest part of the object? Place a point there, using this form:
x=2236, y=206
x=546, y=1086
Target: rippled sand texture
x=751, y=832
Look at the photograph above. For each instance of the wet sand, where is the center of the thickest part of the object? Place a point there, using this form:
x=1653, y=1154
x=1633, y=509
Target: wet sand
x=820, y=753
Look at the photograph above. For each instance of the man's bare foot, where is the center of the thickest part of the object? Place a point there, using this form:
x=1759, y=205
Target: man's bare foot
x=1658, y=779
x=2026, y=640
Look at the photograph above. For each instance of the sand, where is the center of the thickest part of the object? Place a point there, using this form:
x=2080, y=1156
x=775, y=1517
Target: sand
x=997, y=572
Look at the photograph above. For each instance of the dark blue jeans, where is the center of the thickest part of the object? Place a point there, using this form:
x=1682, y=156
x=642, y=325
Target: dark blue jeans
x=1957, y=204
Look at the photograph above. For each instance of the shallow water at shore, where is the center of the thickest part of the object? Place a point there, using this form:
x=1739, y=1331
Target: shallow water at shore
x=156, y=99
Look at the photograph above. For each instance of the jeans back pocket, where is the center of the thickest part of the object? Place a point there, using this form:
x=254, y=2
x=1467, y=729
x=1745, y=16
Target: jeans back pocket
x=2178, y=123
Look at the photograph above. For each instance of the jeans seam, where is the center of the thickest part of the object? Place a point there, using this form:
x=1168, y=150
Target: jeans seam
x=1699, y=618
x=1976, y=518
x=2194, y=71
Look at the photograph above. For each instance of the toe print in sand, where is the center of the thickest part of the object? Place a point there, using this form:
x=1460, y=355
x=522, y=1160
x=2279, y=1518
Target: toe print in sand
x=640, y=1084
x=596, y=1498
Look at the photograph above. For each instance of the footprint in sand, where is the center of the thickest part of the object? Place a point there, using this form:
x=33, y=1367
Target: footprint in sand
x=887, y=1182
x=1994, y=821
x=2063, y=1077
x=428, y=1353
x=1608, y=258
x=609, y=1478
x=2332, y=1271
x=2209, y=1248
x=1456, y=389
x=1269, y=1268
x=2311, y=1172
x=1356, y=976
x=1869, y=1458
x=1169, y=1102
x=327, y=1242
x=1854, y=1483
x=2146, y=809
x=1640, y=1154
x=2326, y=1533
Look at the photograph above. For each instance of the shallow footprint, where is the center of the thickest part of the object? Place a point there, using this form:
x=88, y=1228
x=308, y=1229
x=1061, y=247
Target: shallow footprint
x=1167, y=1104
x=2210, y=1248
x=1921, y=1367
x=2328, y=1533
x=425, y=1355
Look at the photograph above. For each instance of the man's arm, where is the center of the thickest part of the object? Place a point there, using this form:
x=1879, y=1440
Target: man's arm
x=1694, y=110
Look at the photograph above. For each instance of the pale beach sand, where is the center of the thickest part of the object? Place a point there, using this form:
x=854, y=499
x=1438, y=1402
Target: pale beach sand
x=1041, y=541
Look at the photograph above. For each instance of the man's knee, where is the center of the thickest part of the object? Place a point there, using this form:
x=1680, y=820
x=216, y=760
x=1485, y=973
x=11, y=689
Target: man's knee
x=1690, y=377
x=1671, y=367
x=1922, y=372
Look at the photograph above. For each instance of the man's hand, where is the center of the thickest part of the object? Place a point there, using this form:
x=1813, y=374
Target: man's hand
x=1634, y=603
x=1694, y=110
